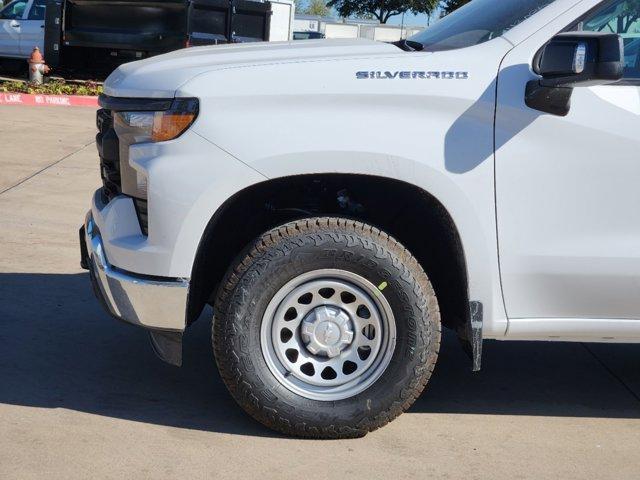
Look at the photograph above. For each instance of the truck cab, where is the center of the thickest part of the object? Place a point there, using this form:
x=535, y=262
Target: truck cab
x=479, y=176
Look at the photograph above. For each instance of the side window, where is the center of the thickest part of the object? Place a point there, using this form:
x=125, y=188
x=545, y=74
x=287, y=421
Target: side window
x=621, y=17
x=37, y=10
x=14, y=10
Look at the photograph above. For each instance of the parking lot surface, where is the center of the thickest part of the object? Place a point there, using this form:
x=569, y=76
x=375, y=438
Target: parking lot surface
x=83, y=396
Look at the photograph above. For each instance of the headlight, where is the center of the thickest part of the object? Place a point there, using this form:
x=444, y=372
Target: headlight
x=149, y=127
x=139, y=127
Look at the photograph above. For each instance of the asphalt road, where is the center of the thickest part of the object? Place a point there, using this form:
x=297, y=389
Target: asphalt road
x=83, y=396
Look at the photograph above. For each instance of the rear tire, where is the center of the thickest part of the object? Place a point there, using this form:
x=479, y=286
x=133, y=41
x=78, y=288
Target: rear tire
x=328, y=289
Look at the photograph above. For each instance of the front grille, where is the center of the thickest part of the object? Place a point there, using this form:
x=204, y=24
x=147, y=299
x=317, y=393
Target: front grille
x=143, y=216
x=110, y=171
x=109, y=151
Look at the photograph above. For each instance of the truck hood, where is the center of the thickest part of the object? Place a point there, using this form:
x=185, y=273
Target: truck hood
x=161, y=76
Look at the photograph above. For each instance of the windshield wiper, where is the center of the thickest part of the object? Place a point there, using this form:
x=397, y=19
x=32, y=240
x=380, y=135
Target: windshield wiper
x=409, y=45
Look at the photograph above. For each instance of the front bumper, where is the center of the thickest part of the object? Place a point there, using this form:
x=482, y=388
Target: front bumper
x=158, y=305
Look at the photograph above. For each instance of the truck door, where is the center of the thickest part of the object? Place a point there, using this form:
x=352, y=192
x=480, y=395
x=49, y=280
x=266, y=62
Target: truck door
x=219, y=21
x=10, y=26
x=209, y=22
x=568, y=189
x=250, y=21
x=32, y=28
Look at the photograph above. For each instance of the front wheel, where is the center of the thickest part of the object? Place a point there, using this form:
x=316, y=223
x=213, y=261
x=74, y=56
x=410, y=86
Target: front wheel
x=326, y=328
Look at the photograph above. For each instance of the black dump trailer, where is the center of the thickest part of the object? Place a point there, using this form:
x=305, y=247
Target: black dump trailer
x=99, y=35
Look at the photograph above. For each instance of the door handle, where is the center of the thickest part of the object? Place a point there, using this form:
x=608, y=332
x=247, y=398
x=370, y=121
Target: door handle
x=14, y=24
x=41, y=26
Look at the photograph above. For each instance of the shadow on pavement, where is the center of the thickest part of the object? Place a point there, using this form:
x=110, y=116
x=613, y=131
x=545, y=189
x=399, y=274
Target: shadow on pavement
x=59, y=350
x=537, y=378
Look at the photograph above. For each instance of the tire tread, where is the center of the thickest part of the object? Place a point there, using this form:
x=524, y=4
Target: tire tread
x=256, y=399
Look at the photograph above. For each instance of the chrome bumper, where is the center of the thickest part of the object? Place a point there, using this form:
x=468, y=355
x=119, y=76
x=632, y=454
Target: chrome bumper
x=136, y=299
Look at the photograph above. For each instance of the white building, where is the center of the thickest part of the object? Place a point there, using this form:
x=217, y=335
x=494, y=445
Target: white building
x=352, y=28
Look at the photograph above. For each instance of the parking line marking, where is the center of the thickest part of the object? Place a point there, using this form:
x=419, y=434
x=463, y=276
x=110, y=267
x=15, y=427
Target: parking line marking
x=45, y=168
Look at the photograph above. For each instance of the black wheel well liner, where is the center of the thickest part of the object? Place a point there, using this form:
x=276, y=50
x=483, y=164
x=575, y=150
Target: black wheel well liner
x=411, y=215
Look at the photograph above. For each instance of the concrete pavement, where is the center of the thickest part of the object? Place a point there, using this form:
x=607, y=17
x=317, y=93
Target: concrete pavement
x=84, y=396
x=31, y=142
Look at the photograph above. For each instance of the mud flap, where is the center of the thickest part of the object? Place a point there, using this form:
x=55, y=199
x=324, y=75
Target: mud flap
x=475, y=334
x=167, y=346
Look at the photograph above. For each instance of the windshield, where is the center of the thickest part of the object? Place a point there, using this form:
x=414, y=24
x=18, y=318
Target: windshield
x=477, y=22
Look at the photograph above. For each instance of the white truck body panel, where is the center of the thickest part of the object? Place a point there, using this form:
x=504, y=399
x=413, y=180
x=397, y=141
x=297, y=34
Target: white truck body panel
x=606, y=330
x=567, y=197
x=541, y=173
x=162, y=76
x=10, y=38
x=32, y=28
x=431, y=111
x=18, y=36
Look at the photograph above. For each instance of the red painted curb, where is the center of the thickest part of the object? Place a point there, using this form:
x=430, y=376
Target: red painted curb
x=57, y=100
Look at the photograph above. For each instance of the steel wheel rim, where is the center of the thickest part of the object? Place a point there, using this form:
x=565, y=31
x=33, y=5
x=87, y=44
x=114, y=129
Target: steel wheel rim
x=343, y=327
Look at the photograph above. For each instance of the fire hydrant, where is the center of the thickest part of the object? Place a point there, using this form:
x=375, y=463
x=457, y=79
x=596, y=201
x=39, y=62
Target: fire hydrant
x=37, y=67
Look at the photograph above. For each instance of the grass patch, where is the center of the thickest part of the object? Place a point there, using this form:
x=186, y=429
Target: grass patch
x=52, y=88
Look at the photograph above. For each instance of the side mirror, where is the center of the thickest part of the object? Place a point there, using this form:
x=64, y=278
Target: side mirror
x=572, y=60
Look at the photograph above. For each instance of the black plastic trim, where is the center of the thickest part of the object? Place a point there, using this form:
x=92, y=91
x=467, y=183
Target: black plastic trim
x=84, y=253
x=122, y=104
x=142, y=213
x=167, y=346
x=553, y=100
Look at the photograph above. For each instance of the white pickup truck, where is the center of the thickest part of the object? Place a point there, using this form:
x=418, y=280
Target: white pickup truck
x=339, y=201
x=22, y=28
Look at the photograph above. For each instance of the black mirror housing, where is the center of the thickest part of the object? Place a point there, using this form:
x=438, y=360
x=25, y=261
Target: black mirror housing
x=581, y=59
x=573, y=59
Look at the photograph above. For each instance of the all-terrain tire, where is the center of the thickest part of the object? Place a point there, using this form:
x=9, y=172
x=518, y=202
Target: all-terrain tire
x=306, y=245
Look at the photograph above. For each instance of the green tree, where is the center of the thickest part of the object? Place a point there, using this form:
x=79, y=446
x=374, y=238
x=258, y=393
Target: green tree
x=317, y=7
x=449, y=6
x=299, y=6
x=382, y=10
x=628, y=15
